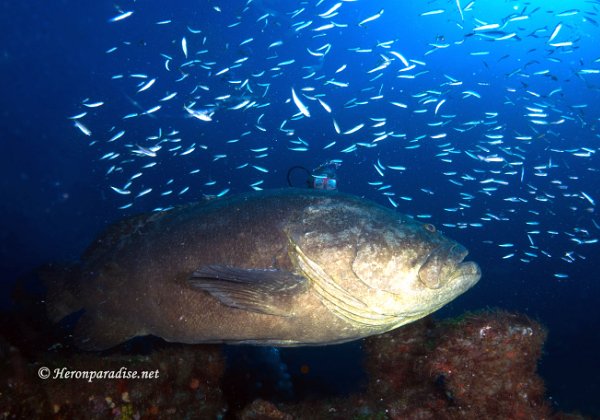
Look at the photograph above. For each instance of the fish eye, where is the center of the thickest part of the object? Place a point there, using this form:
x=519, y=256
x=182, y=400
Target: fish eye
x=429, y=227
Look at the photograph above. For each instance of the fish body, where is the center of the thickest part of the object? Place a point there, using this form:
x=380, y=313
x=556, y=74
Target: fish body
x=281, y=267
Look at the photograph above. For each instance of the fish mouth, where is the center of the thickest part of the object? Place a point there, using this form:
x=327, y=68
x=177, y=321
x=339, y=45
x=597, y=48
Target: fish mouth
x=445, y=264
x=467, y=273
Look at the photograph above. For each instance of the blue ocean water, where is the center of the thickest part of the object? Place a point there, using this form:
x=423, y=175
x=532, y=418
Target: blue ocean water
x=484, y=124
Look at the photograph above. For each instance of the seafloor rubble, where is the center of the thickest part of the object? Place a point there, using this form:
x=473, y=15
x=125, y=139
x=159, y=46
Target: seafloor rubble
x=481, y=365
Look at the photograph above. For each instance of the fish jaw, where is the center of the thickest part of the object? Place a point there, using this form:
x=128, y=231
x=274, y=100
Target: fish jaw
x=443, y=264
x=454, y=279
x=467, y=275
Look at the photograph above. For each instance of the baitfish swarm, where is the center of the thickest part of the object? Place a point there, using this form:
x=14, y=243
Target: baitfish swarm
x=493, y=102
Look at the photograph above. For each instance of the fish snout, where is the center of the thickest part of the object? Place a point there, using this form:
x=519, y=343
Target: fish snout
x=441, y=263
x=466, y=272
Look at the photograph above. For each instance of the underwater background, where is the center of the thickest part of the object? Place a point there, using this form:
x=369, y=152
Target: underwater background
x=480, y=118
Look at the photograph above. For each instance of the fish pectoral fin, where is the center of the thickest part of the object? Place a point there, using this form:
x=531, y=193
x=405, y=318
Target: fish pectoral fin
x=267, y=291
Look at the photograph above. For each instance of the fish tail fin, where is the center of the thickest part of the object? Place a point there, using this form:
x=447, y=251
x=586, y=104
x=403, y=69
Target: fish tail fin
x=63, y=290
x=99, y=326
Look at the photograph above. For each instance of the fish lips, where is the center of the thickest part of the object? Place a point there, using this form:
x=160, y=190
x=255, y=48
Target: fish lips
x=445, y=265
x=467, y=274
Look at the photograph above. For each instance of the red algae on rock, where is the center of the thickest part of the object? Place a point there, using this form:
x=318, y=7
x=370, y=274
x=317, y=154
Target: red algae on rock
x=489, y=363
x=481, y=366
x=262, y=410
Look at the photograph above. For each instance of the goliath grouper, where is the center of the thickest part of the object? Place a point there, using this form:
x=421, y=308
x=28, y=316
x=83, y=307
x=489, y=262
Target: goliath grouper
x=282, y=268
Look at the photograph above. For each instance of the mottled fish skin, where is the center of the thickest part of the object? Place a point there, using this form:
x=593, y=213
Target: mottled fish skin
x=314, y=268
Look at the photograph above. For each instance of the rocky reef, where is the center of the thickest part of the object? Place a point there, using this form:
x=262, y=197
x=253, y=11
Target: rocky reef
x=482, y=365
x=170, y=382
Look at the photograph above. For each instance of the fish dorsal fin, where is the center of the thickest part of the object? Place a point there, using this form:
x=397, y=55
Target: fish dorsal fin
x=266, y=291
x=118, y=234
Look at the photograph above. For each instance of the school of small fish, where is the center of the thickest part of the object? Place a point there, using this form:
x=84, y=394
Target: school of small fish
x=478, y=106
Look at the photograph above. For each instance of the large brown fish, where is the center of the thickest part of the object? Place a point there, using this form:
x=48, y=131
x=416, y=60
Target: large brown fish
x=282, y=267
